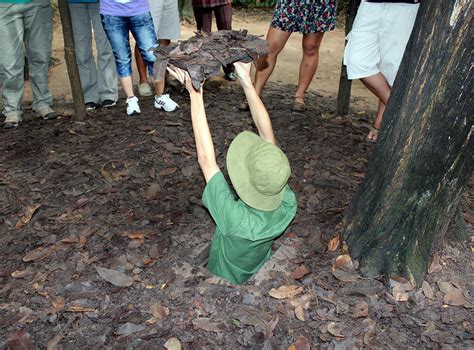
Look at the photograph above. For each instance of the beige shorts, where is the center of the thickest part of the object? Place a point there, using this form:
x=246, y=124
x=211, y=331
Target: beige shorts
x=165, y=15
x=378, y=39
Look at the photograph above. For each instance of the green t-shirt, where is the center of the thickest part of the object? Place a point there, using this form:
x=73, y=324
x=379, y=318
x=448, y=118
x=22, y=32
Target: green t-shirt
x=244, y=236
x=15, y=1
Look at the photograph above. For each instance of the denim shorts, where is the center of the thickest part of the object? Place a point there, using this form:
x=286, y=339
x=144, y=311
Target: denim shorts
x=117, y=29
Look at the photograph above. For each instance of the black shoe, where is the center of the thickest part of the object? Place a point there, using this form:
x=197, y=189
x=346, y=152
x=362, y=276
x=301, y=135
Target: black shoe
x=90, y=106
x=108, y=103
x=50, y=116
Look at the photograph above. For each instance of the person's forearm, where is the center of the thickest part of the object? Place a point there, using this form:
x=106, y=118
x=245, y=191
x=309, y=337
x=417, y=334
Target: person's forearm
x=203, y=138
x=259, y=112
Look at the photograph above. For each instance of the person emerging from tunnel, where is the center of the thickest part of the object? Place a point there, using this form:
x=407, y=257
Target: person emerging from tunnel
x=245, y=226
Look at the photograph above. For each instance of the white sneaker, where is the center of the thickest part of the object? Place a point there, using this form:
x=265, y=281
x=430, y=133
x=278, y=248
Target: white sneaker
x=132, y=106
x=166, y=103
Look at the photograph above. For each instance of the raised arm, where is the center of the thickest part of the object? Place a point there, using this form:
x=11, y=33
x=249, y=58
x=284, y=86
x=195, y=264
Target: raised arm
x=202, y=134
x=257, y=109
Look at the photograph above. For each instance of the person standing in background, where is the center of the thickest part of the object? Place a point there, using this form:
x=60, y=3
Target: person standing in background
x=310, y=18
x=222, y=9
x=98, y=79
x=25, y=24
x=375, y=48
x=118, y=20
x=165, y=14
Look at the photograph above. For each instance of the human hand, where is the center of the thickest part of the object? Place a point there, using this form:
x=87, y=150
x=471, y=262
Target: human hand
x=243, y=71
x=183, y=77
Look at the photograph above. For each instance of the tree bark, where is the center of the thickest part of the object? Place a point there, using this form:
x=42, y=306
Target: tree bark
x=344, y=92
x=423, y=157
x=71, y=63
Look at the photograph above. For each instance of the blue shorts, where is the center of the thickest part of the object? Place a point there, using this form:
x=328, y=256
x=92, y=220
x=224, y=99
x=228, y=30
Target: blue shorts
x=117, y=29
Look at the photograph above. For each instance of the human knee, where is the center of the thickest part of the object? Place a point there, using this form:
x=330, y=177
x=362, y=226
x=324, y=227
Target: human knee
x=310, y=49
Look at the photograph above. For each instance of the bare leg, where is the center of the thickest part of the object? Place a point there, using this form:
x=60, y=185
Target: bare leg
x=141, y=67
x=127, y=86
x=309, y=62
x=379, y=86
x=276, y=42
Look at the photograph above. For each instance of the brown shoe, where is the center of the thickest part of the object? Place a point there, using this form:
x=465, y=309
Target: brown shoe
x=298, y=105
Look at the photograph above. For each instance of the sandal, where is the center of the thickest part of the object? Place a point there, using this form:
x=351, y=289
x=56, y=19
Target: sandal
x=373, y=134
x=298, y=105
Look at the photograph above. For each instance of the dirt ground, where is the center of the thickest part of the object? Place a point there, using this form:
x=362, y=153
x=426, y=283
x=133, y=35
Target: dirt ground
x=103, y=237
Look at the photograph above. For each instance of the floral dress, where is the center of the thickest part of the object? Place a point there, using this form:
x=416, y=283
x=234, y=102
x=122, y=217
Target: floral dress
x=305, y=16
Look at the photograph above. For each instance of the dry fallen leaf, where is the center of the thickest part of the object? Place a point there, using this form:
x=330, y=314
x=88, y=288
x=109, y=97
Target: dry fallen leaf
x=300, y=272
x=20, y=340
x=78, y=308
x=173, y=344
x=361, y=309
x=344, y=262
x=427, y=290
x=28, y=272
x=70, y=239
x=27, y=216
x=335, y=329
x=284, y=292
x=153, y=190
x=38, y=254
x=167, y=171
x=54, y=342
x=299, y=313
x=455, y=298
x=117, y=278
x=137, y=235
x=159, y=311
x=84, y=236
x=301, y=344
x=333, y=244
x=206, y=325
x=106, y=175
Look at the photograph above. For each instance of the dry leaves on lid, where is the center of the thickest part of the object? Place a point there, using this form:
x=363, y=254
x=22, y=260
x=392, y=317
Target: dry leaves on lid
x=27, y=216
x=207, y=325
x=300, y=272
x=173, y=344
x=333, y=244
x=117, y=278
x=285, y=292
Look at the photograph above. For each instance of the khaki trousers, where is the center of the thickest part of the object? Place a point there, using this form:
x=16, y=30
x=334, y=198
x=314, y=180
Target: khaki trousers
x=25, y=27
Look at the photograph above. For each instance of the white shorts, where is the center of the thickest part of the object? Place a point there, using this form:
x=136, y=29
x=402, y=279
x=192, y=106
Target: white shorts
x=165, y=15
x=378, y=39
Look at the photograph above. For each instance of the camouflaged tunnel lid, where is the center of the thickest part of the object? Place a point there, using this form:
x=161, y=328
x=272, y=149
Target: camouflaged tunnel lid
x=204, y=54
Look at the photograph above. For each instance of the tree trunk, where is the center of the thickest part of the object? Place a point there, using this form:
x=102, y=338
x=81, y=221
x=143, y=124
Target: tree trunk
x=344, y=92
x=71, y=63
x=423, y=157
